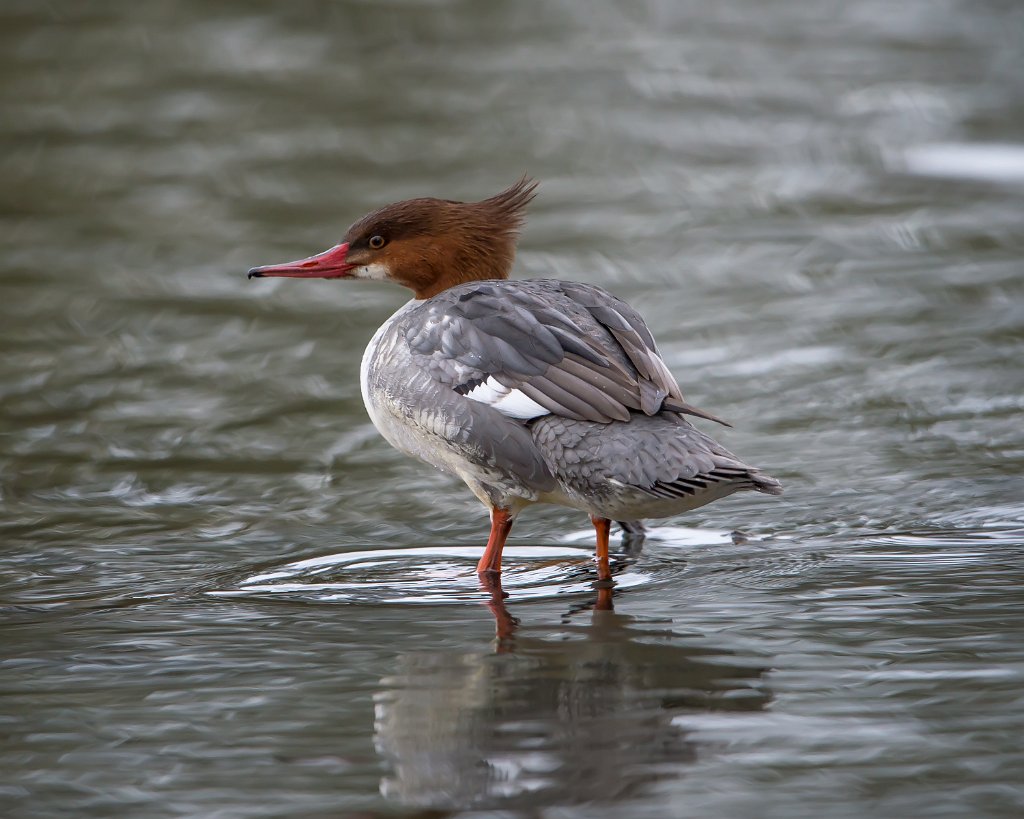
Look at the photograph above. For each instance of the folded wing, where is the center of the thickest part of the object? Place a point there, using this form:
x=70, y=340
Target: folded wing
x=539, y=347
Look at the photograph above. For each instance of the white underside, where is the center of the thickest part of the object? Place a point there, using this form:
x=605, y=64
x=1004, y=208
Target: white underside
x=418, y=438
x=364, y=366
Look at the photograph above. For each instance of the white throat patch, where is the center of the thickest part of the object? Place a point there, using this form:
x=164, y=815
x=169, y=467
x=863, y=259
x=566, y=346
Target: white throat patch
x=376, y=271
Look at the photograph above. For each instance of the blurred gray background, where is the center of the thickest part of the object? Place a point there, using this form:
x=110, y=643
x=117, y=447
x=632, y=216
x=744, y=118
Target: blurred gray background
x=223, y=595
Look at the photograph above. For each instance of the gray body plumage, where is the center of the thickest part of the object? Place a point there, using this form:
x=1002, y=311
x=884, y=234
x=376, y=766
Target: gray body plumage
x=545, y=391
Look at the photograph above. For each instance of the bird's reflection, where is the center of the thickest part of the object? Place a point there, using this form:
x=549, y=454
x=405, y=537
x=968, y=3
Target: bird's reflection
x=592, y=710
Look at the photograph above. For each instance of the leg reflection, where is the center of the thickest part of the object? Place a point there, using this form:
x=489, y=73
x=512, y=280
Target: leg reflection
x=505, y=623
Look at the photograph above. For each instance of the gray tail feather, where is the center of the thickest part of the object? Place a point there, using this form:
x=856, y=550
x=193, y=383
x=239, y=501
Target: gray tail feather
x=674, y=405
x=765, y=483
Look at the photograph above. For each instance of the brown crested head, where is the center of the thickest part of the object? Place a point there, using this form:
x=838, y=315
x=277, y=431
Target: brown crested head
x=427, y=245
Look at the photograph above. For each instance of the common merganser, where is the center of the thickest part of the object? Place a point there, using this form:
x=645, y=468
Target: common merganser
x=530, y=391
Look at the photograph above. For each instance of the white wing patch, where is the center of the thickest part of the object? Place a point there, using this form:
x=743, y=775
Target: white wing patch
x=512, y=403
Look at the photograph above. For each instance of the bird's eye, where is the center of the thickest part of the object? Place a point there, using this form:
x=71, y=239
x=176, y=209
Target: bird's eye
x=377, y=242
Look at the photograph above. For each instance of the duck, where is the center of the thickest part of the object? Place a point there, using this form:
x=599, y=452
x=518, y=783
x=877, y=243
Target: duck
x=528, y=390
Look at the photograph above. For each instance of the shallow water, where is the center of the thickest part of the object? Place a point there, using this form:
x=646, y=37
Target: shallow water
x=223, y=595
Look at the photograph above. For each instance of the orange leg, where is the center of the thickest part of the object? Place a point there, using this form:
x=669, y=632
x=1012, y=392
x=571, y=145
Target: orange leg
x=603, y=527
x=501, y=525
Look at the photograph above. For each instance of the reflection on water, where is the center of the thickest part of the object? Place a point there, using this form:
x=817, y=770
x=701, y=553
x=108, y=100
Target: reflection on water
x=546, y=720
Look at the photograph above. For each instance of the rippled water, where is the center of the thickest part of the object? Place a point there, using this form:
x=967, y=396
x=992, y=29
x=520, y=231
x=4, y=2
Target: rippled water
x=223, y=595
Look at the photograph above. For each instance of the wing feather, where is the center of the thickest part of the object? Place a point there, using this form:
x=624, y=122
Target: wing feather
x=544, y=390
x=574, y=349
x=593, y=396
